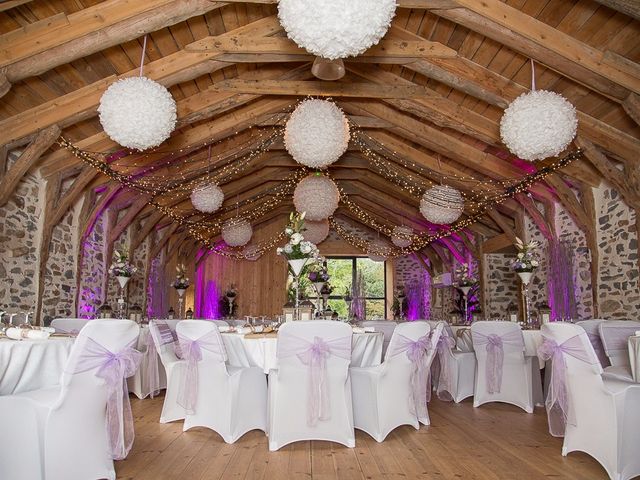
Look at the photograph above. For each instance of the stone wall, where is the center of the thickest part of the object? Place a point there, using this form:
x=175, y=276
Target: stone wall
x=92, y=293
x=20, y=228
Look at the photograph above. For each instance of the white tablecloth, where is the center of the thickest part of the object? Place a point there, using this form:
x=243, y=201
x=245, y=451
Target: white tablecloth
x=261, y=352
x=634, y=357
x=32, y=364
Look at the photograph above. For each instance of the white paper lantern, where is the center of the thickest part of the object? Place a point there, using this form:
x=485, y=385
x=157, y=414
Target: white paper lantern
x=316, y=195
x=442, y=204
x=137, y=113
x=251, y=252
x=335, y=28
x=207, y=198
x=399, y=236
x=538, y=125
x=317, y=133
x=316, y=232
x=236, y=232
x=377, y=251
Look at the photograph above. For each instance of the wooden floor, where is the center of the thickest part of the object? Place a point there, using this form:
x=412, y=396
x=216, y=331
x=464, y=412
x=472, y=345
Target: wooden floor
x=495, y=441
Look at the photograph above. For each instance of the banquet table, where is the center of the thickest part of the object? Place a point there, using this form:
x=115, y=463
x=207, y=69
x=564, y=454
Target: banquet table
x=32, y=364
x=260, y=350
x=634, y=357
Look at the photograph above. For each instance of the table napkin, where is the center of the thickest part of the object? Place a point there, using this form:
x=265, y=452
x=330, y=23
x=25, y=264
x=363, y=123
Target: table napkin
x=20, y=333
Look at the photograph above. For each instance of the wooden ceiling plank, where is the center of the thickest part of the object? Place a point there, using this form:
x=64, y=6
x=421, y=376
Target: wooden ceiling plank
x=628, y=7
x=27, y=160
x=632, y=106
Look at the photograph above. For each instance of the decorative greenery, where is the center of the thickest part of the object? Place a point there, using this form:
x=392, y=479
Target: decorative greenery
x=464, y=277
x=297, y=248
x=320, y=275
x=527, y=258
x=181, y=282
x=120, y=267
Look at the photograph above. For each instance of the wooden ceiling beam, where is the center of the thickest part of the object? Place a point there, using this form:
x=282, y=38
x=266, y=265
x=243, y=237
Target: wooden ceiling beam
x=83, y=103
x=37, y=48
x=631, y=105
x=628, y=7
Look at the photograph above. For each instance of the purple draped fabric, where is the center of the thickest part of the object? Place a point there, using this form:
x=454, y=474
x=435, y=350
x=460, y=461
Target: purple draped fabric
x=153, y=374
x=314, y=355
x=417, y=352
x=443, y=348
x=192, y=353
x=557, y=401
x=494, y=345
x=596, y=342
x=114, y=369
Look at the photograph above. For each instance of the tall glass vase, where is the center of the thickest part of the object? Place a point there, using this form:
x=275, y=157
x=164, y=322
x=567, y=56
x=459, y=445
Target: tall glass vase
x=122, y=304
x=525, y=279
x=465, y=295
x=180, y=301
x=297, y=264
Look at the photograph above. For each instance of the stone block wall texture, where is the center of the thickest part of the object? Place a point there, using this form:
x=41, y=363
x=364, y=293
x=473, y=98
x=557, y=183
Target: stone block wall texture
x=19, y=246
x=94, y=267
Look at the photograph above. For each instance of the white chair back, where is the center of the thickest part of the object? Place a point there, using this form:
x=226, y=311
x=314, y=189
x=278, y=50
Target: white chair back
x=615, y=337
x=386, y=327
x=592, y=328
x=165, y=339
x=69, y=325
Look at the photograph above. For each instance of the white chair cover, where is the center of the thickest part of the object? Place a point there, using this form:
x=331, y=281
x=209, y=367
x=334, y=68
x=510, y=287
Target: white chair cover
x=503, y=373
x=396, y=392
x=615, y=340
x=464, y=341
x=310, y=392
x=229, y=400
x=592, y=327
x=454, y=371
x=165, y=341
x=20, y=454
x=72, y=418
x=603, y=415
x=386, y=327
x=69, y=325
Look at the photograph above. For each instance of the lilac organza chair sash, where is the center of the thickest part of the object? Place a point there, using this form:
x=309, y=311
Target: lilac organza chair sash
x=114, y=369
x=596, y=342
x=192, y=352
x=494, y=345
x=557, y=401
x=417, y=352
x=152, y=372
x=443, y=348
x=314, y=355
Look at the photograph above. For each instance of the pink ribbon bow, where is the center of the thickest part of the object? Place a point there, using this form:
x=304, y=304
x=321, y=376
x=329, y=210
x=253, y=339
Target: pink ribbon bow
x=417, y=352
x=494, y=345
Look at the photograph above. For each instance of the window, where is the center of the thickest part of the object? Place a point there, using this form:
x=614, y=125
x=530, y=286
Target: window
x=343, y=272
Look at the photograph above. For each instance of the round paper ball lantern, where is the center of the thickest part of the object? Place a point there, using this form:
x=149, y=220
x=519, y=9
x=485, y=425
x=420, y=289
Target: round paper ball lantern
x=316, y=195
x=317, y=133
x=207, y=198
x=236, y=232
x=538, y=125
x=316, y=231
x=442, y=204
x=399, y=236
x=334, y=28
x=377, y=250
x=137, y=113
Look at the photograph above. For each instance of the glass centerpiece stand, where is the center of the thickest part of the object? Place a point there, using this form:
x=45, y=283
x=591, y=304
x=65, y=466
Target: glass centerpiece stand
x=525, y=279
x=465, y=295
x=181, y=292
x=297, y=265
x=122, y=304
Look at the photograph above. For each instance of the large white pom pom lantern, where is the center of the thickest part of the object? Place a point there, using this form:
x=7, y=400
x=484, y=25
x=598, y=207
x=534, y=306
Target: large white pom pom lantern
x=236, y=232
x=137, y=113
x=376, y=251
x=334, y=28
x=316, y=195
x=317, y=133
x=538, y=125
x=207, y=198
x=316, y=232
x=399, y=236
x=442, y=204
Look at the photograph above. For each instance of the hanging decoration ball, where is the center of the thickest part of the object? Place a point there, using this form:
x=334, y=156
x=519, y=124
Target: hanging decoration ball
x=442, y=204
x=236, y=232
x=316, y=195
x=207, y=198
x=317, y=133
x=376, y=251
x=137, y=113
x=334, y=28
x=251, y=252
x=538, y=125
x=315, y=231
x=399, y=236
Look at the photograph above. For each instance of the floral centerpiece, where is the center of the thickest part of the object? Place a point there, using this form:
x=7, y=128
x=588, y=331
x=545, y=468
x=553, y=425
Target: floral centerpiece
x=181, y=282
x=399, y=307
x=464, y=276
x=527, y=258
x=319, y=276
x=120, y=266
x=230, y=295
x=297, y=248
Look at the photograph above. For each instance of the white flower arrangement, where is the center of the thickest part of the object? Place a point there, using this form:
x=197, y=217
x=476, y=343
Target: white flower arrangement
x=137, y=113
x=334, y=28
x=297, y=247
x=317, y=196
x=182, y=281
x=527, y=258
x=464, y=276
x=120, y=266
x=317, y=133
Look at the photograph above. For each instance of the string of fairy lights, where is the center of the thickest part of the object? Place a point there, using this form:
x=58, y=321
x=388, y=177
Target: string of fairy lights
x=168, y=177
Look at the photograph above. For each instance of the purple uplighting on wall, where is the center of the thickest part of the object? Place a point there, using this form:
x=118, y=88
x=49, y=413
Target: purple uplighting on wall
x=562, y=285
x=419, y=298
x=207, y=296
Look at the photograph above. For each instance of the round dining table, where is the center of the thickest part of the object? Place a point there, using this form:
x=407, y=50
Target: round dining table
x=32, y=364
